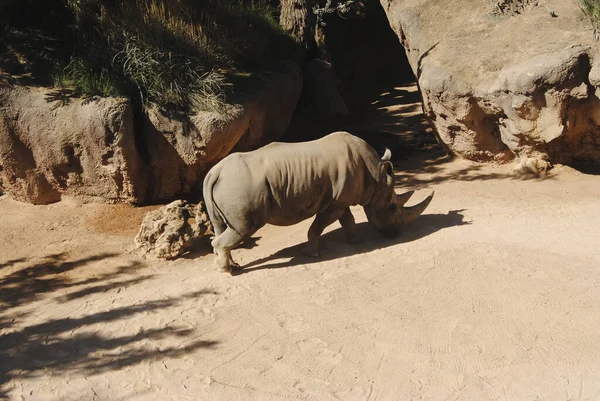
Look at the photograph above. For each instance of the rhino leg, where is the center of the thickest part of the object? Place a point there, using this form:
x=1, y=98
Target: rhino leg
x=349, y=226
x=218, y=230
x=322, y=220
x=222, y=245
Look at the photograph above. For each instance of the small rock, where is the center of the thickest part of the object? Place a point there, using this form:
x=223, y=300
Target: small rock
x=167, y=233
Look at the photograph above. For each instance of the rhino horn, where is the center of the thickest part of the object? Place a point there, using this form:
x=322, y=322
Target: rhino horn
x=412, y=212
x=387, y=155
x=403, y=198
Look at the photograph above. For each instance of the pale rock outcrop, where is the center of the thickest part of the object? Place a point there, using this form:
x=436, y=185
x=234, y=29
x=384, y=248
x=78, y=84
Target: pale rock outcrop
x=181, y=149
x=170, y=231
x=520, y=86
x=53, y=145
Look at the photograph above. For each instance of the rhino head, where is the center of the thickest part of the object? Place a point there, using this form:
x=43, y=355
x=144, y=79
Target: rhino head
x=386, y=210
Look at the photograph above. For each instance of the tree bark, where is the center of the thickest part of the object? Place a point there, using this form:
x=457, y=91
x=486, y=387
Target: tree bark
x=298, y=19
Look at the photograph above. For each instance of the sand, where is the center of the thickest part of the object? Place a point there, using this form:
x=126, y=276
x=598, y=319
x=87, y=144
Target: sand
x=492, y=294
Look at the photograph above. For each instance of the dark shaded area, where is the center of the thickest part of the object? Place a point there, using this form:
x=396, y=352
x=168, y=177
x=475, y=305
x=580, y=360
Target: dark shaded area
x=432, y=164
x=366, y=54
x=333, y=246
x=35, y=39
x=12, y=262
x=61, y=95
x=29, y=283
x=586, y=168
x=393, y=120
x=59, y=347
x=76, y=345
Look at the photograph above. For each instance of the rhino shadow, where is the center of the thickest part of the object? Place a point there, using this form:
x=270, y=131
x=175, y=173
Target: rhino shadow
x=334, y=247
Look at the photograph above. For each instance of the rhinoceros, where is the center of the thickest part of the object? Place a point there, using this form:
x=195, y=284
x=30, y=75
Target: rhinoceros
x=285, y=183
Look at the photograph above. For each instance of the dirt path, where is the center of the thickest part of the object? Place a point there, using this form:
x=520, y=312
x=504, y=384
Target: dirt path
x=493, y=294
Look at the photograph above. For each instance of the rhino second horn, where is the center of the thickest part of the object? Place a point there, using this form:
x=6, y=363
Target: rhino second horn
x=387, y=155
x=412, y=212
x=403, y=198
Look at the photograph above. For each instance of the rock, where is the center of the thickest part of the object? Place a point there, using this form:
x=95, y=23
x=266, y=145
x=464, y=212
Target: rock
x=504, y=87
x=52, y=145
x=182, y=149
x=323, y=88
x=168, y=232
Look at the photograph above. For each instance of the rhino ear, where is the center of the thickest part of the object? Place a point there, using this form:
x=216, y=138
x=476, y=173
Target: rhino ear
x=387, y=172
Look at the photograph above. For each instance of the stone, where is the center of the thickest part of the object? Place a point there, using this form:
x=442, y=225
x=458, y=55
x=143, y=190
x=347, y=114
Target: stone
x=181, y=149
x=52, y=144
x=323, y=88
x=504, y=87
x=167, y=232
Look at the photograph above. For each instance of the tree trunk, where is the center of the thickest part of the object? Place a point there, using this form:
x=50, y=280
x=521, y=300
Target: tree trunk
x=298, y=19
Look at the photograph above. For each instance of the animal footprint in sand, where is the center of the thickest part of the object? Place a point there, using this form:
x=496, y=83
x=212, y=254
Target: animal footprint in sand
x=321, y=351
x=321, y=299
x=293, y=323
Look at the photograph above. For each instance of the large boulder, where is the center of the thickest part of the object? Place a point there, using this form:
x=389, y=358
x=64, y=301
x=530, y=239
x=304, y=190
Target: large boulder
x=181, y=149
x=52, y=144
x=505, y=80
x=323, y=89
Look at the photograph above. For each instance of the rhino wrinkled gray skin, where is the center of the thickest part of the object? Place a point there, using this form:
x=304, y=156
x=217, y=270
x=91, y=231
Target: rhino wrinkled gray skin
x=285, y=183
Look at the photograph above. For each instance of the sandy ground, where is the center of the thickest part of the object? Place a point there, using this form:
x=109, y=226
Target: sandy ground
x=492, y=294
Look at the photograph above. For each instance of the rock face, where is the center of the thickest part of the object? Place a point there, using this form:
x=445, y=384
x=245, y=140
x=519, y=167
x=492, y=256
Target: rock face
x=323, y=88
x=182, y=149
x=169, y=232
x=52, y=144
x=498, y=87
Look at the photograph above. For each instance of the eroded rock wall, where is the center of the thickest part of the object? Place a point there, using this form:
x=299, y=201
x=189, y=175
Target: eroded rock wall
x=53, y=144
x=519, y=86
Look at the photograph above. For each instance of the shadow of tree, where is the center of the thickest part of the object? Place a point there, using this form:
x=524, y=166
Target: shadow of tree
x=411, y=171
x=28, y=283
x=77, y=345
x=54, y=347
x=422, y=227
x=12, y=262
x=62, y=95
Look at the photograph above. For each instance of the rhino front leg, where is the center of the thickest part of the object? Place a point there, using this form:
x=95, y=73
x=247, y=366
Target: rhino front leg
x=222, y=245
x=349, y=226
x=322, y=220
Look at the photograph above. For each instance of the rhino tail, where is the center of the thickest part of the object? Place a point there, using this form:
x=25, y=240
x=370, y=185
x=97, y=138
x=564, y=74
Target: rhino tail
x=215, y=214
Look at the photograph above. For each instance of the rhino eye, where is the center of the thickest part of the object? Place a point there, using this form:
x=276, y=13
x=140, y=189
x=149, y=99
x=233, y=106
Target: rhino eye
x=393, y=207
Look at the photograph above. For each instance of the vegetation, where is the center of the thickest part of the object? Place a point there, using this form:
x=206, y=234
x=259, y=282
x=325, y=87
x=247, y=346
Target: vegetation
x=181, y=54
x=591, y=8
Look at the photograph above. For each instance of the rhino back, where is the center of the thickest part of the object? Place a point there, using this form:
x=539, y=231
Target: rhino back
x=307, y=178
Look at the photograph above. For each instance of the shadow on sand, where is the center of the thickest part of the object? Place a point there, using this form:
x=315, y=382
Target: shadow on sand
x=334, y=247
x=79, y=344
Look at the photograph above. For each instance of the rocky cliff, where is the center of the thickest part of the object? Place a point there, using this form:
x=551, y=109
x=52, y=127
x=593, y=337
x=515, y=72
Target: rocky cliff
x=98, y=149
x=505, y=80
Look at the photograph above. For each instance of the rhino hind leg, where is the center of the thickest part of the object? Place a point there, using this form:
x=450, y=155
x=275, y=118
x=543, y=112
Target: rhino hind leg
x=222, y=245
x=349, y=226
x=322, y=220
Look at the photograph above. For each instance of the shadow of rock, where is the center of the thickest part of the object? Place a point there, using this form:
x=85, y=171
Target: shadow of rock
x=333, y=246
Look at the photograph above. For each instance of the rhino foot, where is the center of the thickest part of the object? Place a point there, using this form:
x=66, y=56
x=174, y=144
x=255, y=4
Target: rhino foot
x=231, y=268
x=311, y=250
